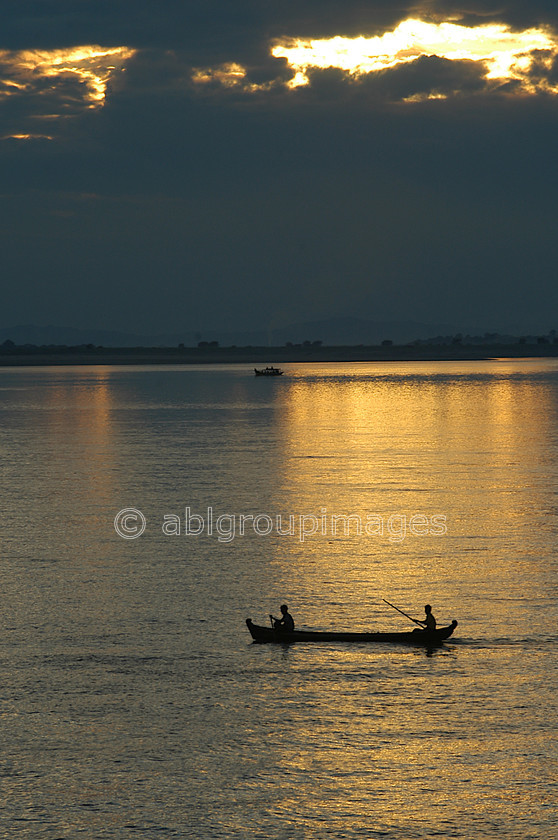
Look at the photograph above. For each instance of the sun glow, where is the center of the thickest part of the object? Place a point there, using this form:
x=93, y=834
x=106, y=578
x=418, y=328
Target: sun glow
x=506, y=55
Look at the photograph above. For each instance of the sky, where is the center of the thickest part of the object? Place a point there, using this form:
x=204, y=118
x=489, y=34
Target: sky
x=207, y=164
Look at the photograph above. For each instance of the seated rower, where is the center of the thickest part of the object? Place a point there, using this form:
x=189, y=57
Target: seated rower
x=429, y=621
x=286, y=622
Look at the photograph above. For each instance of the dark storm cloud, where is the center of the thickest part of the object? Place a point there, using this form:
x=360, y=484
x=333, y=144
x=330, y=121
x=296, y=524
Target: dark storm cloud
x=220, y=30
x=206, y=28
x=178, y=204
x=427, y=76
x=516, y=13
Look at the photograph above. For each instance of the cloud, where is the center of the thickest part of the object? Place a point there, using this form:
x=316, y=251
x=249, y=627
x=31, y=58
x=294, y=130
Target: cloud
x=254, y=50
x=514, y=61
x=50, y=85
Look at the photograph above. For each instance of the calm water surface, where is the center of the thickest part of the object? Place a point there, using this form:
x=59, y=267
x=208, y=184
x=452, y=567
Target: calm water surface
x=132, y=701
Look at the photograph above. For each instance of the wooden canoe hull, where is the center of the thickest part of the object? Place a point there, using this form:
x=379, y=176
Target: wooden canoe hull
x=414, y=637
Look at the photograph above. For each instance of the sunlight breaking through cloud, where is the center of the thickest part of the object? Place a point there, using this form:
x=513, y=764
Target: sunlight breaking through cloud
x=507, y=55
x=229, y=75
x=501, y=55
x=65, y=80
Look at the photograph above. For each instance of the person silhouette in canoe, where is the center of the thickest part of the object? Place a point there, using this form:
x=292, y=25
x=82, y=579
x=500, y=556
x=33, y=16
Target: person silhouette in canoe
x=286, y=622
x=429, y=620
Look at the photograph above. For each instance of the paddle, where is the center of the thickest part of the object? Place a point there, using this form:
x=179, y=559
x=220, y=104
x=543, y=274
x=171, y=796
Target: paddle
x=420, y=623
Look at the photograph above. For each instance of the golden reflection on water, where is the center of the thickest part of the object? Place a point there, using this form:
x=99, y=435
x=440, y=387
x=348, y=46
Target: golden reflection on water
x=397, y=441
x=78, y=409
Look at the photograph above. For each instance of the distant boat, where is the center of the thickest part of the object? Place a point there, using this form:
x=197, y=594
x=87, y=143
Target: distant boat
x=268, y=371
x=427, y=638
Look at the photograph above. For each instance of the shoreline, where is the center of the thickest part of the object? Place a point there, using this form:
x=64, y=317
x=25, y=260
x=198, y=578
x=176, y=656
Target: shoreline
x=22, y=357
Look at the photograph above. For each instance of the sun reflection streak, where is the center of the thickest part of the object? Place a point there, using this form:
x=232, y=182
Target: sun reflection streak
x=395, y=438
x=81, y=408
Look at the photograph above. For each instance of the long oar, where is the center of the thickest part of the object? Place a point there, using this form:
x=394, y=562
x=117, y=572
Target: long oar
x=420, y=623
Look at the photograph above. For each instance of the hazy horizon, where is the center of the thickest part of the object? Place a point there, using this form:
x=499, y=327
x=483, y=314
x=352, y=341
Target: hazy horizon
x=333, y=331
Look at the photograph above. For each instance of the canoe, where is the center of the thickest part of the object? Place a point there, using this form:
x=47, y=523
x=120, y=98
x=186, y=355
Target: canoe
x=414, y=637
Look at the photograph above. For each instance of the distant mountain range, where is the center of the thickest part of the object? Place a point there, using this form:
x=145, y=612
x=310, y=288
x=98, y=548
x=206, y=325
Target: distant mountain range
x=332, y=331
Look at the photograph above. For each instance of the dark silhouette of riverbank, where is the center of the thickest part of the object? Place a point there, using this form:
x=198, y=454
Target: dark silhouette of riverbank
x=211, y=353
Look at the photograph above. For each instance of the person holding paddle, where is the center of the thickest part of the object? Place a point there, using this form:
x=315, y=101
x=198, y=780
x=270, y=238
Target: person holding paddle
x=429, y=623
